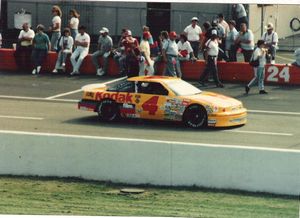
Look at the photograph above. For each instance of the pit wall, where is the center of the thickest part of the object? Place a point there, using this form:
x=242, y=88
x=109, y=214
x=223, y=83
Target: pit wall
x=134, y=161
x=229, y=72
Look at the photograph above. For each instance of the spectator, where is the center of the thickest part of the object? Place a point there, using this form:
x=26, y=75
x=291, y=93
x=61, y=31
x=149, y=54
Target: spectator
x=193, y=32
x=41, y=46
x=206, y=34
x=297, y=57
x=145, y=61
x=163, y=38
x=105, y=44
x=131, y=46
x=74, y=22
x=153, y=45
x=170, y=56
x=245, y=41
x=56, y=26
x=82, y=43
x=223, y=23
x=212, y=47
x=271, y=40
x=259, y=71
x=119, y=54
x=24, y=48
x=185, y=49
x=231, y=36
x=66, y=45
x=239, y=14
x=221, y=38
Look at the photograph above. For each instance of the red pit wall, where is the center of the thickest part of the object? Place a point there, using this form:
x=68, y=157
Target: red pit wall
x=230, y=72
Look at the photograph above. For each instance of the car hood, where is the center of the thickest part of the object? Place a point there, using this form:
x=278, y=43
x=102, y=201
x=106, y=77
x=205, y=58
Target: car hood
x=215, y=99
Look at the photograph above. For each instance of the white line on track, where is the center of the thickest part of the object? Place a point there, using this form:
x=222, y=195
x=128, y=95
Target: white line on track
x=260, y=133
x=284, y=58
x=79, y=90
x=37, y=99
x=144, y=140
x=22, y=118
x=274, y=112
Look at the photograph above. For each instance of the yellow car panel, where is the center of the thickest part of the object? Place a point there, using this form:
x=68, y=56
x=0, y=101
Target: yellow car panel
x=163, y=98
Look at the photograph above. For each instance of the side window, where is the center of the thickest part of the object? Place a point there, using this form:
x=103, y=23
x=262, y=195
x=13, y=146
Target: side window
x=126, y=86
x=152, y=88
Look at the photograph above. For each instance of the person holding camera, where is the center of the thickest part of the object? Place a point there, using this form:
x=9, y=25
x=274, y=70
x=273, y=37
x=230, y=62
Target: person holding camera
x=259, y=55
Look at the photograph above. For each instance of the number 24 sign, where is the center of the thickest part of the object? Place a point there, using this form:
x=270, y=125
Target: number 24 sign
x=275, y=74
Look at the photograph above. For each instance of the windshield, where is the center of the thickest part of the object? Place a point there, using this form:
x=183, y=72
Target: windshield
x=180, y=87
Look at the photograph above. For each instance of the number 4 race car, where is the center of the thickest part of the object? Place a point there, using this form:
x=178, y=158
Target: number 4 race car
x=162, y=98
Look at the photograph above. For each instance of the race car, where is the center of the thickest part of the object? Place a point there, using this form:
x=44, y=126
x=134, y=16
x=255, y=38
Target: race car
x=162, y=98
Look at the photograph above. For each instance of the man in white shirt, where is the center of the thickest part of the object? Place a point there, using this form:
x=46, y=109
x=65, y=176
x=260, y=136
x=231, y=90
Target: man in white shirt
x=82, y=42
x=271, y=42
x=212, y=48
x=24, y=48
x=193, y=33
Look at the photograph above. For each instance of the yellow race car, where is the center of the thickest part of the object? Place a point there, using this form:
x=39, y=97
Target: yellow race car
x=162, y=98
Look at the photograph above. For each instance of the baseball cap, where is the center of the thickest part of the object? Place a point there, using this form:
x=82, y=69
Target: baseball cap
x=172, y=34
x=104, y=30
x=214, y=32
x=194, y=18
x=128, y=33
x=146, y=35
x=269, y=26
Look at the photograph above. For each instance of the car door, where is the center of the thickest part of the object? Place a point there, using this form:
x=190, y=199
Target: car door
x=152, y=98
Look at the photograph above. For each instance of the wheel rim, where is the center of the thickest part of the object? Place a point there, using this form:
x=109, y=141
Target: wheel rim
x=107, y=111
x=195, y=117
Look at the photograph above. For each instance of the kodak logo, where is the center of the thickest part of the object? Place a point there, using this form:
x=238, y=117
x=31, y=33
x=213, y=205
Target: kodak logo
x=117, y=96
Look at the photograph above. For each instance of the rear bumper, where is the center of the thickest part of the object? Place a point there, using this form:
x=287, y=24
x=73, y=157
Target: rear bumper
x=227, y=120
x=87, y=105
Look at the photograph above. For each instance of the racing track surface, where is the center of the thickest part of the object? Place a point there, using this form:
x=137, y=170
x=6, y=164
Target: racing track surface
x=47, y=104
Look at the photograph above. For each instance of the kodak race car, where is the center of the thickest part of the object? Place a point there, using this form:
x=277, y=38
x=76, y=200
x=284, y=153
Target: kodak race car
x=162, y=98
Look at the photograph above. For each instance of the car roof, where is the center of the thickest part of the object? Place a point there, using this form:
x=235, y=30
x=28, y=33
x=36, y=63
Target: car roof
x=152, y=78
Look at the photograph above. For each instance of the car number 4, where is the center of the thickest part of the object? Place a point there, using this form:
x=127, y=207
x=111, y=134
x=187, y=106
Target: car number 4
x=151, y=105
x=275, y=74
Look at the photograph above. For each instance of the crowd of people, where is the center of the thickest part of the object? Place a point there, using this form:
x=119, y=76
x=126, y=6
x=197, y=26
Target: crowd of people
x=217, y=40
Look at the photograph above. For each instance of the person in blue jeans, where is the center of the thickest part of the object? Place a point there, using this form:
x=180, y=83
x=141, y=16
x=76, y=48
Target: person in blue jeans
x=259, y=71
x=41, y=46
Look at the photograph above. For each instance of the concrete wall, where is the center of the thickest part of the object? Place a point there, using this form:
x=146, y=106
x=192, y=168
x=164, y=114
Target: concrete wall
x=279, y=15
x=151, y=162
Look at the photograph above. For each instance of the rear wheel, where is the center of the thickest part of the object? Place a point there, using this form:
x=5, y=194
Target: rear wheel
x=195, y=116
x=108, y=110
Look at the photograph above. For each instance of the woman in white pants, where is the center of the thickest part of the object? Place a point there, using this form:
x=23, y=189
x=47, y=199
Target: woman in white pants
x=145, y=62
x=65, y=44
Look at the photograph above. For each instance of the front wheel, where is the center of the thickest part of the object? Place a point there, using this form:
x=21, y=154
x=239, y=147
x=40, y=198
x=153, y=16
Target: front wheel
x=108, y=110
x=195, y=116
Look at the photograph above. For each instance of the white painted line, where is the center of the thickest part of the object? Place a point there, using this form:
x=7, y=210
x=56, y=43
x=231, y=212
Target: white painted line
x=145, y=140
x=64, y=94
x=37, y=99
x=22, y=118
x=284, y=58
x=274, y=112
x=260, y=133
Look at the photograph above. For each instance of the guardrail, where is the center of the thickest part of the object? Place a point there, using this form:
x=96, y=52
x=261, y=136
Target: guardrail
x=135, y=161
x=228, y=71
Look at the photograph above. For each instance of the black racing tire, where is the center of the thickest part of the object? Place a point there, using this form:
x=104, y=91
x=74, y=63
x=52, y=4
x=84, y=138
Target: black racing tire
x=195, y=116
x=107, y=110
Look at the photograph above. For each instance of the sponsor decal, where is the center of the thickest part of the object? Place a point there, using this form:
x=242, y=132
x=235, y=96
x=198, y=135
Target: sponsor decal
x=137, y=99
x=117, y=96
x=127, y=109
x=211, y=121
x=89, y=94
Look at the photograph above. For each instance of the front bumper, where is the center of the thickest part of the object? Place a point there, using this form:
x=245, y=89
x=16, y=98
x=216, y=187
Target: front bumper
x=228, y=119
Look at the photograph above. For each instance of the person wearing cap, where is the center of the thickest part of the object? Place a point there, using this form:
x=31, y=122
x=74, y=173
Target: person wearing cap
x=245, y=41
x=132, y=53
x=41, y=46
x=82, y=43
x=193, y=33
x=105, y=45
x=66, y=45
x=212, y=51
x=259, y=71
x=145, y=62
x=231, y=36
x=24, y=50
x=170, y=56
x=271, y=41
